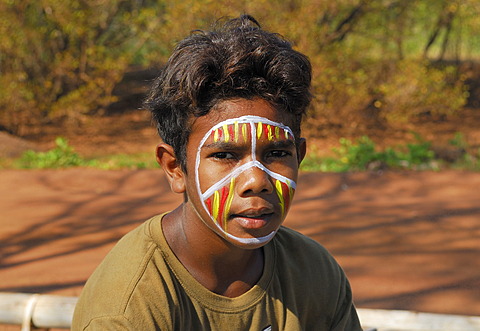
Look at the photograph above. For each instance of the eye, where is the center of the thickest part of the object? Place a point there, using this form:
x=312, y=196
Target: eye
x=222, y=156
x=279, y=153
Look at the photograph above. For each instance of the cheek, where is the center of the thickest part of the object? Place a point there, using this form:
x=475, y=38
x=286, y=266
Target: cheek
x=211, y=174
x=285, y=191
x=218, y=203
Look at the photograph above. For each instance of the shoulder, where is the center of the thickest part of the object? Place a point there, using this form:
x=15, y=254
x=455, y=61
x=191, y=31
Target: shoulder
x=110, y=287
x=310, y=277
x=292, y=243
x=304, y=261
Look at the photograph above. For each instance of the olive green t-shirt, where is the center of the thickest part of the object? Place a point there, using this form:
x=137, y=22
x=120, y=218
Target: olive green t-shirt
x=141, y=285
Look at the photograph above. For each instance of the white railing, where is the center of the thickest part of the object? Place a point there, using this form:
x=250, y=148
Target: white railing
x=53, y=311
x=402, y=320
x=35, y=310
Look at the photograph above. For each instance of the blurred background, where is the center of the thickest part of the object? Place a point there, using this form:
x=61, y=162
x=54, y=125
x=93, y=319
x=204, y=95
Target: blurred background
x=397, y=90
x=386, y=72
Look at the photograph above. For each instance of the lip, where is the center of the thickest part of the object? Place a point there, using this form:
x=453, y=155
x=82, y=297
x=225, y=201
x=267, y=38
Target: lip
x=253, y=218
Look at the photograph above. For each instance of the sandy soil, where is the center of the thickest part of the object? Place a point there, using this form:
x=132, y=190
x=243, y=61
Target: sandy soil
x=407, y=240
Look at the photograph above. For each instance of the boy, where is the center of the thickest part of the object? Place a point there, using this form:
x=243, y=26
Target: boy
x=228, y=106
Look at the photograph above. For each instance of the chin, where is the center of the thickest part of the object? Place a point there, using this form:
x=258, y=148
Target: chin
x=250, y=243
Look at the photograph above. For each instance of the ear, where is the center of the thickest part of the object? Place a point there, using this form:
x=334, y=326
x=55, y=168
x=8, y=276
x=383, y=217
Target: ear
x=167, y=159
x=301, y=150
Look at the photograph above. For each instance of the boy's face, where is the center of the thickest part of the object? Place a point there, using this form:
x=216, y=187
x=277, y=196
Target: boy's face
x=242, y=167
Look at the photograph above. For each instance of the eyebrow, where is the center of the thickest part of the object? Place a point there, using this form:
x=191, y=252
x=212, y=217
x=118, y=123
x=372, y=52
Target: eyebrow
x=224, y=145
x=281, y=144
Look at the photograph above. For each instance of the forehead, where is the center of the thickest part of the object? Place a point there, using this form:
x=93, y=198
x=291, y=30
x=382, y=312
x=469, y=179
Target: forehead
x=227, y=112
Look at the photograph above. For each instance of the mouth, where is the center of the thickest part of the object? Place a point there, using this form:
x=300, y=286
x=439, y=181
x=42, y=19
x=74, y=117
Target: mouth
x=253, y=218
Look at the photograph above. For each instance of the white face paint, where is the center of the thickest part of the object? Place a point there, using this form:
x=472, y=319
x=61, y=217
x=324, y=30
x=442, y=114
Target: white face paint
x=217, y=198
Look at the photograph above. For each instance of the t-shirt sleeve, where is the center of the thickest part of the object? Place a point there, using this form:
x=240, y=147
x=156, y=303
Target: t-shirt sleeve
x=109, y=323
x=322, y=294
x=346, y=318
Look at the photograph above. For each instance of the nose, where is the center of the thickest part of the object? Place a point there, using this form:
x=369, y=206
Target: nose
x=254, y=181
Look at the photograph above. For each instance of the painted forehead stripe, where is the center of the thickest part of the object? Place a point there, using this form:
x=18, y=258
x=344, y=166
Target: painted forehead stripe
x=249, y=119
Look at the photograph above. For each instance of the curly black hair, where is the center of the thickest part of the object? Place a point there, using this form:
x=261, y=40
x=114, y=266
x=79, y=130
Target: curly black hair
x=237, y=59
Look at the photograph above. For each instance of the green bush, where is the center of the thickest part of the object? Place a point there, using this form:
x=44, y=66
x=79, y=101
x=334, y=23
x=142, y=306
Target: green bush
x=371, y=59
x=62, y=59
x=62, y=156
x=363, y=155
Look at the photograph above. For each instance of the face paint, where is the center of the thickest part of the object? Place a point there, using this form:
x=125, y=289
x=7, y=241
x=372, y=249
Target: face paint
x=217, y=198
x=285, y=194
x=218, y=204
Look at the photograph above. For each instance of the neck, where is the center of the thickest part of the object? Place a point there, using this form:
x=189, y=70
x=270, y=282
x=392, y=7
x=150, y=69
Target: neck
x=218, y=265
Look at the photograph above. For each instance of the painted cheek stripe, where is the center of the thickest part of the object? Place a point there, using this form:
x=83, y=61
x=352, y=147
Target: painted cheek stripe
x=279, y=190
x=215, y=205
x=208, y=203
x=285, y=194
x=220, y=208
x=228, y=203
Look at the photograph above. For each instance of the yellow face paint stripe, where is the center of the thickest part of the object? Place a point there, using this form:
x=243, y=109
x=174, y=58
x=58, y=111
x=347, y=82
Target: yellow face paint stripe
x=259, y=130
x=244, y=132
x=236, y=131
x=290, y=190
x=215, y=205
x=225, y=133
x=277, y=132
x=269, y=133
x=215, y=135
x=228, y=203
x=278, y=189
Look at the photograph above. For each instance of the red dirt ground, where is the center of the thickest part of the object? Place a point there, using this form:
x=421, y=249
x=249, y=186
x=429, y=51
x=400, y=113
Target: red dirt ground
x=407, y=240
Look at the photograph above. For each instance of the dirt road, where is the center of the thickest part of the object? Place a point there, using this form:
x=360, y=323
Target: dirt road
x=408, y=240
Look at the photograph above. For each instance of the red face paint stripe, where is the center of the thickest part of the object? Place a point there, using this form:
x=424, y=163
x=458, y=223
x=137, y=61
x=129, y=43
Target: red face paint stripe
x=223, y=198
x=208, y=202
x=286, y=195
x=265, y=130
x=231, y=130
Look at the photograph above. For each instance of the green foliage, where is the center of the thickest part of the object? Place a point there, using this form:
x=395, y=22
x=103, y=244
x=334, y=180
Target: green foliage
x=413, y=88
x=62, y=156
x=459, y=141
x=467, y=161
x=363, y=155
x=360, y=155
x=63, y=58
x=371, y=59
